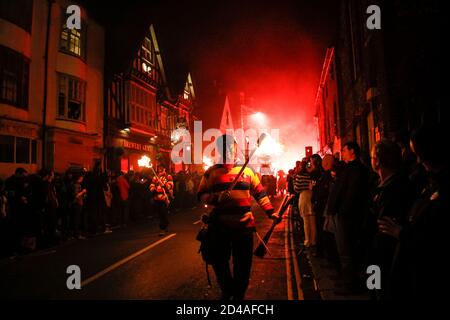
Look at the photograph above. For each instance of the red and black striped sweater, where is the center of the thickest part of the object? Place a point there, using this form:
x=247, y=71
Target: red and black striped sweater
x=235, y=212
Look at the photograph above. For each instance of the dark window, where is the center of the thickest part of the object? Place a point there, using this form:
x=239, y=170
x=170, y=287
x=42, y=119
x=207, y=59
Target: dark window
x=14, y=69
x=19, y=12
x=6, y=149
x=22, y=150
x=33, y=151
x=71, y=98
x=17, y=150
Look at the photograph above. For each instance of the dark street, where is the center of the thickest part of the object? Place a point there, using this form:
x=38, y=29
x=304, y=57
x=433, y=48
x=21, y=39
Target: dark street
x=168, y=268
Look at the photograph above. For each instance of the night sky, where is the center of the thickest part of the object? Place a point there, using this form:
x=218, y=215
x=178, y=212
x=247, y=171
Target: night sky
x=272, y=51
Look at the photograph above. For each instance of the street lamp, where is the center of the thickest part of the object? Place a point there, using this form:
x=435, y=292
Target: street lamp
x=259, y=118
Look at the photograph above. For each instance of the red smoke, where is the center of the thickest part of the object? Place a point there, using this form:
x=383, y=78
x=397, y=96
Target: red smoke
x=270, y=59
x=272, y=51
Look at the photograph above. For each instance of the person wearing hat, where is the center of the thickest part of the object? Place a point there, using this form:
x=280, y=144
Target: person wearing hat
x=231, y=220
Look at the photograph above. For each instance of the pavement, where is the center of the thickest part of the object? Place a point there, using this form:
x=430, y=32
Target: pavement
x=323, y=274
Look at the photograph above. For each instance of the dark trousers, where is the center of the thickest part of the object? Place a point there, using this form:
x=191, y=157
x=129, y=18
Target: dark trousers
x=319, y=227
x=162, y=210
x=124, y=211
x=348, y=246
x=96, y=217
x=76, y=218
x=239, y=245
x=49, y=225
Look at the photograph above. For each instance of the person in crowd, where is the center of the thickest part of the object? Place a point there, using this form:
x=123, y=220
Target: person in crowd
x=272, y=187
x=290, y=181
x=319, y=188
x=95, y=199
x=4, y=222
x=281, y=183
x=351, y=211
x=422, y=243
x=326, y=245
x=76, y=207
x=34, y=222
x=116, y=202
x=108, y=201
x=393, y=198
x=302, y=185
x=181, y=189
x=190, y=191
x=49, y=218
x=124, y=187
x=18, y=193
x=64, y=193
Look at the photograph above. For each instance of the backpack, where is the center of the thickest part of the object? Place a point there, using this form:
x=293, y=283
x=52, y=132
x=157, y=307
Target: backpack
x=207, y=244
x=207, y=248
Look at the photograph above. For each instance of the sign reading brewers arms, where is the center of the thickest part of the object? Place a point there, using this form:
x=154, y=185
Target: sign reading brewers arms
x=136, y=146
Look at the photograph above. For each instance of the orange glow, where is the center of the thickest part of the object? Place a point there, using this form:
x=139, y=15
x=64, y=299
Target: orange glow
x=144, y=162
x=207, y=162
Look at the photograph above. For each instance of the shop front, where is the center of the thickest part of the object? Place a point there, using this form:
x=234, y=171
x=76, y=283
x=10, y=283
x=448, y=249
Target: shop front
x=68, y=149
x=127, y=154
x=19, y=147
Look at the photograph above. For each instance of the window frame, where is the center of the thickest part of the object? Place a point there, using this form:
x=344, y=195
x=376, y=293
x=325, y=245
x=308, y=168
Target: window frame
x=82, y=37
x=31, y=153
x=16, y=66
x=81, y=90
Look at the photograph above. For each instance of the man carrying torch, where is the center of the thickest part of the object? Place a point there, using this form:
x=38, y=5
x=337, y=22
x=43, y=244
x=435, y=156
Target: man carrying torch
x=162, y=190
x=228, y=187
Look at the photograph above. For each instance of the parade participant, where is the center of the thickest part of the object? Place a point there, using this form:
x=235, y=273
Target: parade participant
x=281, y=183
x=162, y=190
x=231, y=221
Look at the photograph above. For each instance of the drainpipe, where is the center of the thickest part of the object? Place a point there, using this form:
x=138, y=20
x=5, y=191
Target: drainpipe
x=44, y=110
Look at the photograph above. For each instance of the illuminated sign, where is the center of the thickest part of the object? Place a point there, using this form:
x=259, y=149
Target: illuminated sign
x=137, y=146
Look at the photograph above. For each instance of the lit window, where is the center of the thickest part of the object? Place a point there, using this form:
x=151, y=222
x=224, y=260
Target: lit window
x=146, y=57
x=71, y=98
x=72, y=41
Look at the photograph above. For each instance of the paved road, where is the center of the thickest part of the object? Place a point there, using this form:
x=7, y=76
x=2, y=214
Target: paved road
x=135, y=263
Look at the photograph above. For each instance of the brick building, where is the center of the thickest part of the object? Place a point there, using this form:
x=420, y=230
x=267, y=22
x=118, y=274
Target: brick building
x=51, y=87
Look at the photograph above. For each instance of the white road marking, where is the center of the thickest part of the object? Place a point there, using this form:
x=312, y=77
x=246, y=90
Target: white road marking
x=125, y=260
